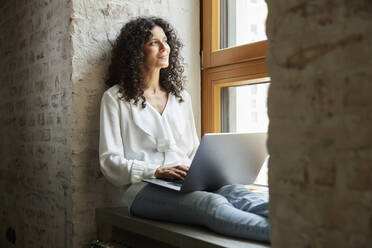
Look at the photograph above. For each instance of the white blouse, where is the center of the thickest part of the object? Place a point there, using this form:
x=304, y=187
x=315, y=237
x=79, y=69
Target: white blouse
x=135, y=141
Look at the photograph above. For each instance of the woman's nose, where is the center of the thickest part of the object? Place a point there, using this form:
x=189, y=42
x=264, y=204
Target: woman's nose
x=163, y=45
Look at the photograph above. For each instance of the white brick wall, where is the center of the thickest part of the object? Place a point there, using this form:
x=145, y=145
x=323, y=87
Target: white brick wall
x=94, y=24
x=54, y=59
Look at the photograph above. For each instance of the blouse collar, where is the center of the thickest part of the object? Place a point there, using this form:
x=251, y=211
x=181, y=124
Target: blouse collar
x=165, y=128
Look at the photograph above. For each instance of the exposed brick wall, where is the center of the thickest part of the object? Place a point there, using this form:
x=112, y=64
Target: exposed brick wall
x=320, y=135
x=49, y=111
x=94, y=25
x=35, y=123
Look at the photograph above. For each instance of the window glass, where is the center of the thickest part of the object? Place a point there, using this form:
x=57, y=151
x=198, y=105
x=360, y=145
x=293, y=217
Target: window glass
x=242, y=22
x=244, y=108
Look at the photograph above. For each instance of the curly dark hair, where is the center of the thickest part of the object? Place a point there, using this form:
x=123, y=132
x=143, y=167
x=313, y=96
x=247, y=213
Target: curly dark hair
x=128, y=57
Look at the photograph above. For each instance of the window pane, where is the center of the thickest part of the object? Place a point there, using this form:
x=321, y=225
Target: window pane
x=242, y=22
x=244, y=108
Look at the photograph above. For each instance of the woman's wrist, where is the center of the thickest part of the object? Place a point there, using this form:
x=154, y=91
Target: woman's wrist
x=157, y=172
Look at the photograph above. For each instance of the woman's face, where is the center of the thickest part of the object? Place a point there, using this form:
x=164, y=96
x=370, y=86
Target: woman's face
x=156, y=50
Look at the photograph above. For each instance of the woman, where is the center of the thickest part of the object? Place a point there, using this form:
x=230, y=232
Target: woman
x=147, y=130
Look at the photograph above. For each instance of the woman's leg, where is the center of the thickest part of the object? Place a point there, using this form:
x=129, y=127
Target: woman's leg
x=200, y=208
x=244, y=199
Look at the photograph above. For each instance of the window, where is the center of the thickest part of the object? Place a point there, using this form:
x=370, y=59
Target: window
x=244, y=107
x=234, y=78
x=242, y=22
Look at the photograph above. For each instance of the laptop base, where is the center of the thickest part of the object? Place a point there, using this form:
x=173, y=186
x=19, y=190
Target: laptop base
x=167, y=184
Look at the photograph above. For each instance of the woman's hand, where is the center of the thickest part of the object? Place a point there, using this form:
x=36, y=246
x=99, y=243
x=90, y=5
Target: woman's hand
x=172, y=172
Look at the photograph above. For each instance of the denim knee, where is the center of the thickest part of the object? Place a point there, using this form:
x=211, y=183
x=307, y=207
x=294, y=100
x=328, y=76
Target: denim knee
x=206, y=201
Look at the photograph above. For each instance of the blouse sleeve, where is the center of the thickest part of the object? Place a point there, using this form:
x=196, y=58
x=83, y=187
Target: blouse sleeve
x=115, y=167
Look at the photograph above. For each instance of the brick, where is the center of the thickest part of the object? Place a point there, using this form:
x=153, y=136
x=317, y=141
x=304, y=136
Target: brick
x=31, y=120
x=360, y=176
x=322, y=172
x=55, y=100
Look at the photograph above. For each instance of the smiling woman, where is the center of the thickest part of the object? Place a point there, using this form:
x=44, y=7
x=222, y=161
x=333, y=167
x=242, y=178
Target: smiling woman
x=156, y=50
x=147, y=130
x=128, y=59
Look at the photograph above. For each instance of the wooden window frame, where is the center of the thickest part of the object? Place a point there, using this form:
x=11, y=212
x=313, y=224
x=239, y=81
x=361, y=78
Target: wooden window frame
x=233, y=66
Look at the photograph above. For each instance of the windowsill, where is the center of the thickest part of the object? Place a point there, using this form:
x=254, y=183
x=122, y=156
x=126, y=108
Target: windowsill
x=169, y=234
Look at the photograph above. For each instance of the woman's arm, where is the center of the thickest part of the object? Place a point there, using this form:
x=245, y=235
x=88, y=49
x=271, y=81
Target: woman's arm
x=116, y=168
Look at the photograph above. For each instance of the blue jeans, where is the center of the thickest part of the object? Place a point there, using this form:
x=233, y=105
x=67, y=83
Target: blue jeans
x=232, y=210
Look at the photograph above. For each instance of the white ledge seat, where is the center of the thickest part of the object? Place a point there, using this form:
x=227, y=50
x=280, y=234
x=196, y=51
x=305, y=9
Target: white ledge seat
x=117, y=225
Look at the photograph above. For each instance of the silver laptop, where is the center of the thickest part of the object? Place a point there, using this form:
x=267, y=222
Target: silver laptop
x=221, y=159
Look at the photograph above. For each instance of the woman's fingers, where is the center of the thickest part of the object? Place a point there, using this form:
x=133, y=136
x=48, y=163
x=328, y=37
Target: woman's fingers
x=182, y=167
x=177, y=175
x=177, y=172
x=181, y=172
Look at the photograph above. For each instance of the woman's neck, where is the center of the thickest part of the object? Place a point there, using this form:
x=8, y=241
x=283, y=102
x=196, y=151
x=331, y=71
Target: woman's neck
x=152, y=81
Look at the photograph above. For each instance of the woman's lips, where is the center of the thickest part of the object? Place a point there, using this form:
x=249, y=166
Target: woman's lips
x=163, y=57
